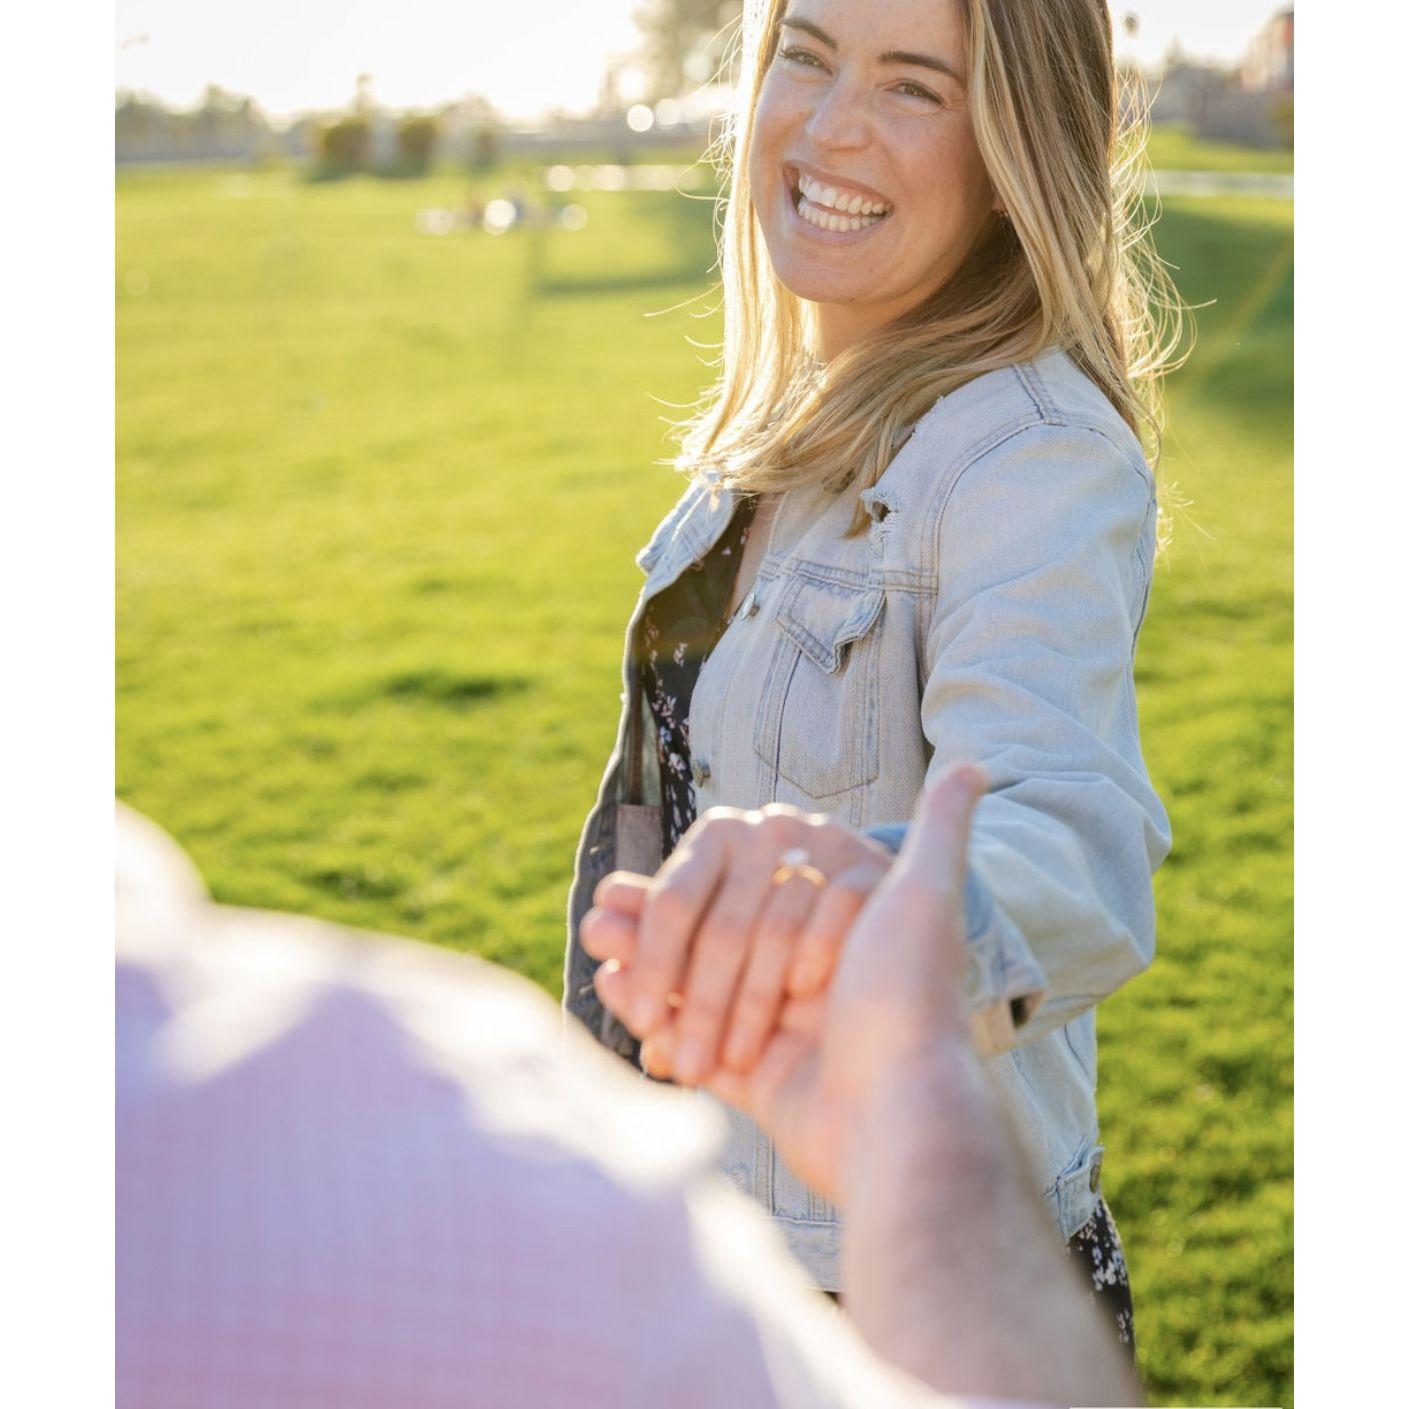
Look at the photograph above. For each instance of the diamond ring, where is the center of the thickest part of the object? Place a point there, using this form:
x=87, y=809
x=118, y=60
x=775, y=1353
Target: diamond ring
x=796, y=861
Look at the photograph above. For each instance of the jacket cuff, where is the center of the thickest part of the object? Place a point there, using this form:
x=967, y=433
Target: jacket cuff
x=1003, y=983
x=891, y=835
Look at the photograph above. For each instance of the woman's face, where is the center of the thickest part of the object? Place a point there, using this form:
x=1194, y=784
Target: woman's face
x=864, y=169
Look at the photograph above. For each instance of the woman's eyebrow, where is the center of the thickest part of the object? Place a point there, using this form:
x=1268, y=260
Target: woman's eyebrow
x=891, y=56
x=815, y=30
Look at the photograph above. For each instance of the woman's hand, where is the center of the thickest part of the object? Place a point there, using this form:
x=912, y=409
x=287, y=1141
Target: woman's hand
x=749, y=911
x=894, y=1012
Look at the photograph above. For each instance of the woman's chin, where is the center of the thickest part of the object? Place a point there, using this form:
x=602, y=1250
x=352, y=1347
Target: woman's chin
x=821, y=286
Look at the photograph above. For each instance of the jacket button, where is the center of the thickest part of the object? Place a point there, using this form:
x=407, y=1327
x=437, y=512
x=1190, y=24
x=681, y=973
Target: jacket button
x=751, y=604
x=701, y=771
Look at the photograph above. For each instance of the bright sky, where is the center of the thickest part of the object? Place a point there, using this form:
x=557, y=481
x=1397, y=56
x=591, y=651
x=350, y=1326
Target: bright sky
x=524, y=57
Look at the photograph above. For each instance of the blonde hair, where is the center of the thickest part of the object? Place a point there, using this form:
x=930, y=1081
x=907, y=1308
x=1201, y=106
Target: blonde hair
x=1071, y=266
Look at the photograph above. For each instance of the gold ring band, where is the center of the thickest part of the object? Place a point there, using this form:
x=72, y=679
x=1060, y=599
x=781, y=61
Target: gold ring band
x=797, y=862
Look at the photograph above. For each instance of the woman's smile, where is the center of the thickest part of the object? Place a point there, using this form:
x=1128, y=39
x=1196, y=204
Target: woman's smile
x=832, y=205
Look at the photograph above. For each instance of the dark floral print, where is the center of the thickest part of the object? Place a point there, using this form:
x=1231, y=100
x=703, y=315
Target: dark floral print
x=678, y=631
x=1097, y=1246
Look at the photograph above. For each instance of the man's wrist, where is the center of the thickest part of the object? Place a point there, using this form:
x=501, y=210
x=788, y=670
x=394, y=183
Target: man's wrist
x=934, y=1109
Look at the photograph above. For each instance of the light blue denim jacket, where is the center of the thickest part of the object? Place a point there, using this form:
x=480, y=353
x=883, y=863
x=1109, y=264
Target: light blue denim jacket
x=990, y=613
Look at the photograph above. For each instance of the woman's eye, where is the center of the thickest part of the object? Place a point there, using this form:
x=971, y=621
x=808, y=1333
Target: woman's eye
x=916, y=90
x=803, y=57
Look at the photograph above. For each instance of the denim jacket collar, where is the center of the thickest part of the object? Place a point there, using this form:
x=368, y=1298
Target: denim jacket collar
x=688, y=533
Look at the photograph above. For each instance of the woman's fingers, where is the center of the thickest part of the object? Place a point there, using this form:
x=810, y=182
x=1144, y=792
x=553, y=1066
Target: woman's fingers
x=717, y=960
x=672, y=907
x=715, y=934
x=608, y=934
x=622, y=890
x=608, y=930
x=803, y=1016
x=784, y=914
x=657, y=1054
x=815, y=956
x=612, y=983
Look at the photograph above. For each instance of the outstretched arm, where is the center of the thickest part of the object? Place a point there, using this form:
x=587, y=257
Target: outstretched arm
x=1044, y=549
x=873, y=1093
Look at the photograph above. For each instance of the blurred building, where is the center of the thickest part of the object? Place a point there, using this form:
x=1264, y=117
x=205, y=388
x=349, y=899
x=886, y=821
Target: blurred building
x=1185, y=88
x=1267, y=66
x=1251, y=104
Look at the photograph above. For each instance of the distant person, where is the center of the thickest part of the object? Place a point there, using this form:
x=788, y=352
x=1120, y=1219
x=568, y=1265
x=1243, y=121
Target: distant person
x=351, y=1172
x=920, y=526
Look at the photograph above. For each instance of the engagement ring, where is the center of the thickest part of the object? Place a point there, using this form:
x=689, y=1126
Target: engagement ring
x=797, y=862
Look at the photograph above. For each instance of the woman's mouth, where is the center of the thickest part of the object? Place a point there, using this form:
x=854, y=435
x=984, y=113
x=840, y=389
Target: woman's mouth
x=836, y=208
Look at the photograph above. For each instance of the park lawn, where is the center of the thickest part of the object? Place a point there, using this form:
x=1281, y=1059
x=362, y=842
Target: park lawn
x=1174, y=147
x=378, y=496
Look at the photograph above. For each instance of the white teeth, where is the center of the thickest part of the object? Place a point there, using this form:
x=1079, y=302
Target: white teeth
x=839, y=202
x=832, y=220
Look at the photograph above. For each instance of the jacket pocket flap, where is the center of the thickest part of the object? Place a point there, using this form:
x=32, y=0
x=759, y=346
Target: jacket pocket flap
x=824, y=620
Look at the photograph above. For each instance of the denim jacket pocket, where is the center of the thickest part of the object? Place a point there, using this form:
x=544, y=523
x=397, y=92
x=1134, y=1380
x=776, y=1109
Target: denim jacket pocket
x=818, y=724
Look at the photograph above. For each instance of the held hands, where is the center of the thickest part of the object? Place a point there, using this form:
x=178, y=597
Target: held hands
x=813, y=1057
x=747, y=917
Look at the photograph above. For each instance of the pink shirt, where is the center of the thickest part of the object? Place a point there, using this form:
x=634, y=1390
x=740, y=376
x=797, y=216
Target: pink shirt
x=358, y=1172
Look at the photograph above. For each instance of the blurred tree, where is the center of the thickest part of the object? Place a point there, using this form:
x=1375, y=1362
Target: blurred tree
x=225, y=125
x=136, y=118
x=415, y=141
x=475, y=125
x=683, y=43
x=344, y=145
x=484, y=149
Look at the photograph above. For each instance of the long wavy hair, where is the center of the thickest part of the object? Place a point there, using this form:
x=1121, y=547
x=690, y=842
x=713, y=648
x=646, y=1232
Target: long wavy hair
x=1072, y=266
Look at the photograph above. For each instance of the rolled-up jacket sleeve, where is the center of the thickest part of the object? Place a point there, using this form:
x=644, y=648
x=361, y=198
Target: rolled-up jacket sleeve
x=1044, y=549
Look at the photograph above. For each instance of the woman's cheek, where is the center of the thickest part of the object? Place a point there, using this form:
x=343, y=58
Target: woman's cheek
x=764, y=151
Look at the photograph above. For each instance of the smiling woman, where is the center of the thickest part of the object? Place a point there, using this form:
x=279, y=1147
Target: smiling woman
x=920, y=529
x=864, y=168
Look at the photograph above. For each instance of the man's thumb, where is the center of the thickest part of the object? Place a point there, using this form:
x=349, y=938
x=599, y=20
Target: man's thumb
x=930, y=874
x=936, y=848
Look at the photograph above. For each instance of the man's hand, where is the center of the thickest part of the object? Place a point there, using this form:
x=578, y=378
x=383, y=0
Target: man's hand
x=874, y=1095
x=748, y=913
x=894, y=1000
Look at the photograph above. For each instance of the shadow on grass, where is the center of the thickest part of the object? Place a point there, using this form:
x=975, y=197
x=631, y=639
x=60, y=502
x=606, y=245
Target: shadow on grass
x=1242, y=270
x=443, y=687
x=689, y=233
x=440, y=689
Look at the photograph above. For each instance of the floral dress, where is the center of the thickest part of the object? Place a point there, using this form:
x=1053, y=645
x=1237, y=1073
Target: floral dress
x=680, y=627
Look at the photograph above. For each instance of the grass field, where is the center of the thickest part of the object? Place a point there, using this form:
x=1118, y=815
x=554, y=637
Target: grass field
x=1174, y=147
x=378, y=497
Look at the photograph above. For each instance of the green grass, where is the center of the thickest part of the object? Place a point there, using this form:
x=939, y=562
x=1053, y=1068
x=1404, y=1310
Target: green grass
x=1173, y=147
x=378, y=497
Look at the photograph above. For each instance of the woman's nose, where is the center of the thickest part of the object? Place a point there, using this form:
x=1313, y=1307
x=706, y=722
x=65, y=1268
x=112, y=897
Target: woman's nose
x=838, y=120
